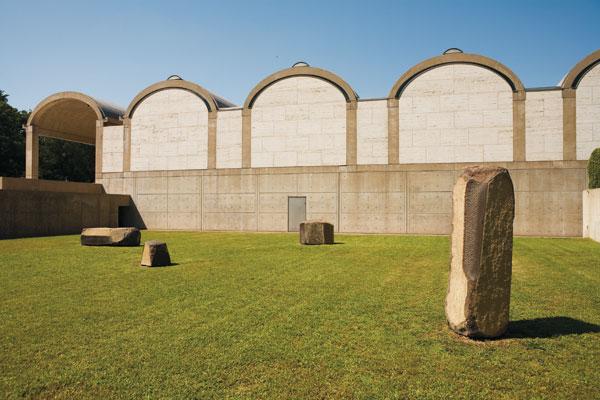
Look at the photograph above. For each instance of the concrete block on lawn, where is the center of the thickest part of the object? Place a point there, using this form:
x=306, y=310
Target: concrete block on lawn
x=478, y=297
x=155, y=254
x=316, y=232
x=110, y=237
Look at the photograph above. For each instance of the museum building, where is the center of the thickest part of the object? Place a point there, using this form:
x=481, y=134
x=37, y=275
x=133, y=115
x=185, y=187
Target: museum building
x=305, y=146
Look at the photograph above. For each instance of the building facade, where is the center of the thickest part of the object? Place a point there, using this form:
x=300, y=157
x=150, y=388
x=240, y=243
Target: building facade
x=304, y=143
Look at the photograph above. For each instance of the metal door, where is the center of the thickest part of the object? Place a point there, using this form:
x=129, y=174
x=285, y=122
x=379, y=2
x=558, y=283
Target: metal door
x=296, y=213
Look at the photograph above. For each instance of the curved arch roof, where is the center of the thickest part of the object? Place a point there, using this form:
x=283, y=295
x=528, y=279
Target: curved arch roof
x=74, y=116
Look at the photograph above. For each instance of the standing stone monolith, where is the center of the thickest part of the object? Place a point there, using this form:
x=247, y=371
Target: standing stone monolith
x=478, y=298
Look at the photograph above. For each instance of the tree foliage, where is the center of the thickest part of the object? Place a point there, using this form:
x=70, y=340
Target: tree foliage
x=62, y=160
x=58, y=159
x=593, y=169
x=12, y=139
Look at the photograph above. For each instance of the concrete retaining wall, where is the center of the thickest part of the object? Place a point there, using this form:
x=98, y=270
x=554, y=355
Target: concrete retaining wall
x=45, y=208
x=404, y=199
x=591, y=214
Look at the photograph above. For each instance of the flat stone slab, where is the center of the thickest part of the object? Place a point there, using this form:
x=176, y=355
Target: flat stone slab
x=316, y=232
x=155, y=254
x=110, y=237
x=481, y=242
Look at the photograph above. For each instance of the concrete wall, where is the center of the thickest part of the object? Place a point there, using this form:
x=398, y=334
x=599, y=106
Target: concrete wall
x=456, y=113
x=169, y=131
x=299, y=121
x=229, y=139
x=112, y=149
x=44, y=208
x=412, y=199
x=588, y=113
x=372, y=132
x=591, y=214
x=544, y=125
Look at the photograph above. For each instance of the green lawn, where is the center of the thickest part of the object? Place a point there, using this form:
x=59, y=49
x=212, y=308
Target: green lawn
x=259, y=316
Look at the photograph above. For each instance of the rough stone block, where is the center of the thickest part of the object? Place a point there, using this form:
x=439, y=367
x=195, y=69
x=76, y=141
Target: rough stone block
x=478, y=297
x=110, y=237
x=155, y=254
x=316, y=232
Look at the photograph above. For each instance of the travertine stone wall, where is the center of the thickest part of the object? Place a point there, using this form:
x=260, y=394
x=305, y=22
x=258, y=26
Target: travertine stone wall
x=169, y=131
x=299, y=121
x=112, y=149
x=229, y=139
x=544, y=125
x=588, y=113
x=456, y=113
x=372, y=132
x=412, y=199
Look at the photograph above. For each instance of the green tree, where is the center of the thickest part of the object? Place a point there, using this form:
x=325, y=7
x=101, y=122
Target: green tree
x=61, y=160
x=12, y=138
x=593, y=169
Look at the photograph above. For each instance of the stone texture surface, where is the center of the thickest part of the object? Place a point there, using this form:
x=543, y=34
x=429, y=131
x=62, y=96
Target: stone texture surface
x=372, y=132
x=456, y=113
x=169, y=131
x=229, y=139
x=112, y=149
x=588, y=113
x=412, y=199
x=299, y=121
x=316, y=232
x=155, y=254
x=110, y=237
x=544, y=125
x=478, y=297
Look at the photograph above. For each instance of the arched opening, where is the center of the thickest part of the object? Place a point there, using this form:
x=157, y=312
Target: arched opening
x=70, y=125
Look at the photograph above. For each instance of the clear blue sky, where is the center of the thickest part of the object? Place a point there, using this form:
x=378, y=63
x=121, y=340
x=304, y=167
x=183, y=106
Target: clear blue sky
x=113, y=49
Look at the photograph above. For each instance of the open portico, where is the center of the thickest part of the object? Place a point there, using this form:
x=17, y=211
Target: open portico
x=69, y=116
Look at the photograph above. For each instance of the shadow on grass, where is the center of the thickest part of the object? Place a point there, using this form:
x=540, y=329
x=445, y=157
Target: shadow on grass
x=548, y=327
x=164, y=266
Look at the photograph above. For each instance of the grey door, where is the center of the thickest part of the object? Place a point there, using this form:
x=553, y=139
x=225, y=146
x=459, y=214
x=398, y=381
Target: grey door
x=296, y=213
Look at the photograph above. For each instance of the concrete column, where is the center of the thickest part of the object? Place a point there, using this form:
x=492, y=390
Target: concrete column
x=393, y=132
x=99, y=141
x=212, y=140
x=32, y=152
x=351, y=132
x=247, y=138
x=569, y=124
x=519, y=134
x=126, y=144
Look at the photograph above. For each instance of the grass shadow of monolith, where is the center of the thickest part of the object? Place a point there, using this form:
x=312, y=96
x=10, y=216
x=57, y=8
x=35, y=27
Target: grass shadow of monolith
x=548, y=327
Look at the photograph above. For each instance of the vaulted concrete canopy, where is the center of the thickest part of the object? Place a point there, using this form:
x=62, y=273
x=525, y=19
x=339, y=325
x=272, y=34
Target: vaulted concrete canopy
x=571, y=81
x=69, y=116
x=73, y=116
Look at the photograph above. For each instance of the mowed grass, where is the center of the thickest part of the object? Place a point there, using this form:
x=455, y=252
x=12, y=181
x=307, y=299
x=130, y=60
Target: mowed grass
x=259, y=316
